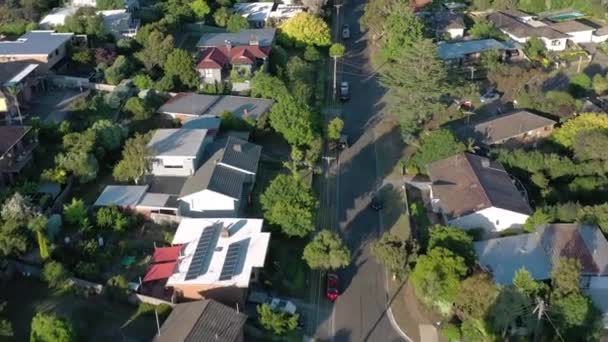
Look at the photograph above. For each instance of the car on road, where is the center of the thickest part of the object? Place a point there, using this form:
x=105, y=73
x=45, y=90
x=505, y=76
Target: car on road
x=345, y=31
x=343, y=142
x=490, y=96
x=344, y=91
x=283, y=305
x=376, y=204
x=332, y=291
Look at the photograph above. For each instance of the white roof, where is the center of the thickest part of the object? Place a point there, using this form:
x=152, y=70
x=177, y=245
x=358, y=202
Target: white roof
x=177, y=142
x=57, y=16
x=121, y=195
x=261, y=11
x=246, y=232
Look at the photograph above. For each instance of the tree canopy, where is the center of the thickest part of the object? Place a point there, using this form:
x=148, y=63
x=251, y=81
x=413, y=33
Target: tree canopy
x=476, y=295
x=180, y=65
x=307, y=29
x=200, y=8
x=436, y=145
x=326, y=251
x=133, y=164
x=395, y=253
x=334, y=128
x=277, y=322
x=50, y=328
x=157, y=46
x=586, y=122
x=456, y=240
x=403, y=29
x=289, y=203
x=236, y=23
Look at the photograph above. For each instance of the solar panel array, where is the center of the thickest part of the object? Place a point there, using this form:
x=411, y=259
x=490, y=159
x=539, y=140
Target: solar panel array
x=231, y=261
x=204, y=250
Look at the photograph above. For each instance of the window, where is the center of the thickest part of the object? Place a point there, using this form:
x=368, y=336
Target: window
x=497, y=222
x=56, y=52
x=556, y=42
x=174, y=166
x=208, y=72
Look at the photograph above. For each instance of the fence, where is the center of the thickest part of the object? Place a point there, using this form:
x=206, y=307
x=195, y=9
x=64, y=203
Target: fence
x=78, y=82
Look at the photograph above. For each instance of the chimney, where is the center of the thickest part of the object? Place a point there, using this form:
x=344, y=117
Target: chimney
x=237, y=148
x=253, y=40
x=228, y=45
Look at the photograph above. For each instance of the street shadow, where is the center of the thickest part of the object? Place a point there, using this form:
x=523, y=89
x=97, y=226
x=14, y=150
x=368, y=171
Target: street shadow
x=557, y=82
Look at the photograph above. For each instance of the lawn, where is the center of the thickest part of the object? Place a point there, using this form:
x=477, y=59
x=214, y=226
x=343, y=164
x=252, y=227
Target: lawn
x=285, y=270
x=96, y=318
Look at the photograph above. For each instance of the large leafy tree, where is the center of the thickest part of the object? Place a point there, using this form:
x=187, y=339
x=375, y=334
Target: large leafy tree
x=483, y=29
x=326, y=251
x=584, y=123
x=157, y=46
x=403, y=29
x=306, y=28
x=277, y=322
x=524, y=282
x=54, y=273
x=289, y=203
x=180, y=65
x=334, y=128
x=436, y=145
x=454, y=239
x=565, y=277
x=395, y=253
x=476, y=295
x=50, y=328
x=134, y=163
x=109, y=135
x=416, y=81
x=118, y=71
x=200, y=8
x=510, y=309
x=293, y=120
x=436, y=277
x=591, y=145
x=236, y=23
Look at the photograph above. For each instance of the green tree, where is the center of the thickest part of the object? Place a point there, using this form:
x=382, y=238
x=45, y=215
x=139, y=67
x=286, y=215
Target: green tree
x=134, y=163
x=307, y=29
x=118, y=71
x=103, y=5
x=166, y=83
x=200, y=9
x=473, y=330
x=6, y=328
x=109, y=135
x=476, y=295
x=483, y=29
x=143, y=81
x=455, y=240
x=221, y=16
x=326, y=251
x=395, y=253
x=236, y=23
x=311, y=54
x=491, y=59
x=436, y=145
x=591, y=145
x=82, y=56
x=577, y=317
x=535, y=48
x=403, y=30
x=336, y=50
x=524, y=282
x=82, y=165
x=511, y=309
x=586, y=122
x=55, y=274
x=334, y=128
x=565, y=277
x=138, y=108
x=269, y=87
x=289, y=203
x=112, y=218
x=157, y=46
x=50, y=328
x=12, y=239
x=17, y=209
x=579, y=85
x=180, y=65
x=416, y=82
x=451, y=332
x=436, y=277
x=293, y=120
x=537, y=218
x=75, y=213
x=600, y=84
x=276, y=322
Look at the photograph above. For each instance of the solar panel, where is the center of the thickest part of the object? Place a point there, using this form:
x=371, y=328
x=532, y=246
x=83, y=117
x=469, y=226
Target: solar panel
x=231, y=261
x=200, y=259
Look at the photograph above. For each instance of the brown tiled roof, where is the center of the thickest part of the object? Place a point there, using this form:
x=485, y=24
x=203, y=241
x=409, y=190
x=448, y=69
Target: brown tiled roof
x=520, y=29
x=467, y=183
x=217, y=57
x=499, y=128
x=10, y=135
x=212, y=58
x=571, y=26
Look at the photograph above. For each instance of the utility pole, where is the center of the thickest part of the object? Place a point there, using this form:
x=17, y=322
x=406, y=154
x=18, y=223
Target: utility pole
x=539, y=310
x=335, y=74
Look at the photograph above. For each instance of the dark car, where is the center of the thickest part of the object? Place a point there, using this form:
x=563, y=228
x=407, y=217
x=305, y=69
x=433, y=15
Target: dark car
x=332, y=291
x=344, y=91
x=376, y=204
x=343, y=142
x=345, y=31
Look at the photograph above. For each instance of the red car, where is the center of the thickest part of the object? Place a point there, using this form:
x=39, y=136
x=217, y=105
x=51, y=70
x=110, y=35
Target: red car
x=332, y=292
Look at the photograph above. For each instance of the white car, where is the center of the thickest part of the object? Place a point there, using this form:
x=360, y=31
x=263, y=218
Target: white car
x=490, y=96
x=283, y=305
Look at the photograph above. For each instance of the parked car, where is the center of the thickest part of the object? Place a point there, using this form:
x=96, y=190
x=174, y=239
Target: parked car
x=343, y=142
x=344, y=91
x=332, y=291
x=376, y=204
x=283, y=305
x=490, y=96
x=345, y=31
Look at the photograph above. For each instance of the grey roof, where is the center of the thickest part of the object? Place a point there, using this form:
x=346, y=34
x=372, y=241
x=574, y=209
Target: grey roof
x=211, y=124
x=466, y=183
x=121, y=195
x=212, y=105
x=571, y=26
x=171, y=185
x=35, y=43
x=240, y=106
x=449, y=21
x=500, y=128
x=461, y=49
x=242, y=155
x=188, y=103
x=215, y=177
x=202, y=321
x=538, y=252
x=177, y=142
x=265, y=37
x=156, y=200
x=509, y=23
x=504, y=256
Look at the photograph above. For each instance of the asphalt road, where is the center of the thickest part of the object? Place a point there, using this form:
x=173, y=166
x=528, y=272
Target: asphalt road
x=360, y=312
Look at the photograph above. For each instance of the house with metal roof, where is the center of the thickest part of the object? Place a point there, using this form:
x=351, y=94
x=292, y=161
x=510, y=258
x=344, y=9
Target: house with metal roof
x=45, y=48
x=464, y=51
x=202, y=321
x=217, y=258
x=264, y=14
x=510, y=129
x=177, y=151
x=471, y=191
x=186, y=106
x=221, y=185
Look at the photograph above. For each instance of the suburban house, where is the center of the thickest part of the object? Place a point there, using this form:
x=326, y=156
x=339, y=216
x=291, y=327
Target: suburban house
x=177, y=151
x=119, y=23
x=449, y=25
x=45, y=48
x=186, y=106
x=16, y=146
x=554, y=29
x=463, y=52
x=214, y=258
x=471, y=191
x=242, y=52
x=23, y=77
x=221, y=186
x=266, y=14
x=509, y=129
x=538, y=252
x=202, y=321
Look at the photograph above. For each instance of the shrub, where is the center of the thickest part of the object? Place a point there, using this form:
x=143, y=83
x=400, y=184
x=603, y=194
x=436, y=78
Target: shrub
x=55, y=274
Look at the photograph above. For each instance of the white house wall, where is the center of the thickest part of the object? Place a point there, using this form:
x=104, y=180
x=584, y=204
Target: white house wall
x=209, y=203
x=599, y=39
x=555, y=44
x=456, y=33
x=162, y=166
x=491, y=219
x=581, y=37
